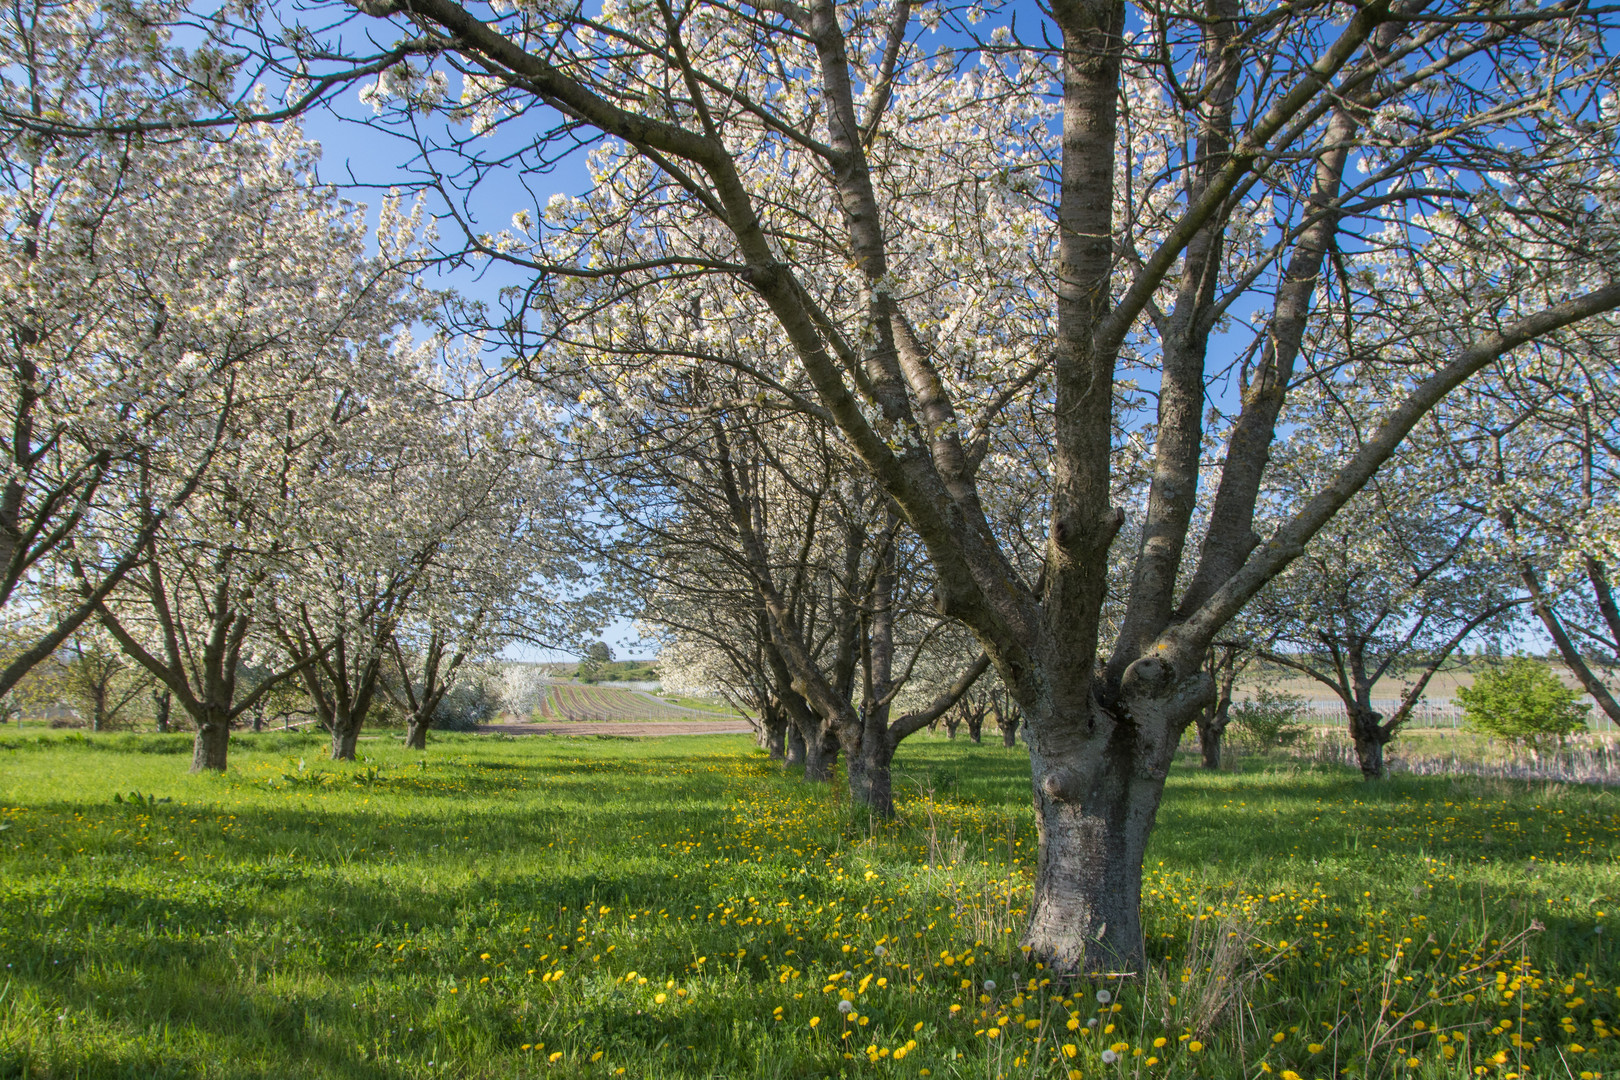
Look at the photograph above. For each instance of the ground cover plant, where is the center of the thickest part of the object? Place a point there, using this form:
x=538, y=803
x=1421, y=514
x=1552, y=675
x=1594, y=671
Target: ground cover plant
x=679, y=908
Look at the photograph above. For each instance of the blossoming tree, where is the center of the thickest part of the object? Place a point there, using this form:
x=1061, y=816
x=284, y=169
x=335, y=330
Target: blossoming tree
x=1207, y=164
x=1229, y=161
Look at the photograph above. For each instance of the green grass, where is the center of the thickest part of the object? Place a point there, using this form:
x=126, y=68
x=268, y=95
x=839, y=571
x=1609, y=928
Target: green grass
x=472, y=912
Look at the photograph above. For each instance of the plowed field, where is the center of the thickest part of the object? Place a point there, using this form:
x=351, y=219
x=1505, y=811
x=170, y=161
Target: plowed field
x=574, y=702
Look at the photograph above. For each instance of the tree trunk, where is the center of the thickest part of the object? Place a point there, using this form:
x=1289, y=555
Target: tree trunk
x=776, y=737
x=1368, y=734
x=795, y=747
x=870, y=758
x=1211, y=729
x=952, y=722
x=975, y=726
x=1209, y=746
x=208, y=750
x=345, y=737
x=820, y=755
x=1009, y=734
x=1087, y=913
x=1094, y=817
x=871, y=781
x=416, y=730
x=161, y=703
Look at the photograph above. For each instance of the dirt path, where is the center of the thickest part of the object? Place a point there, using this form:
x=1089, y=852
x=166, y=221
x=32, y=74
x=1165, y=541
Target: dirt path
x=636, y=729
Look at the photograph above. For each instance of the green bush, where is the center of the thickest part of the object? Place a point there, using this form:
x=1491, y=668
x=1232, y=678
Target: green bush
x=1267, y=720
x=1521, y=699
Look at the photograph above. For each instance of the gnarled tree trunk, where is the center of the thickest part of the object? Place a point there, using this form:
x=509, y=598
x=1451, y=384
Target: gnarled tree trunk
x=1212, y=729
x=1093, y=825
x=871, y=781
x=209, y=748
x=1370, y=736
x=345, y=735
x=1009, y=729
x=820, y=756
x=416, y=729
x=776, y=740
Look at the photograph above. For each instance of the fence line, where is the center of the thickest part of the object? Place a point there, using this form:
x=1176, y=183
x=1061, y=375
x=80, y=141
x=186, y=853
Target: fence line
x=1581, y=759
x=1445, y=713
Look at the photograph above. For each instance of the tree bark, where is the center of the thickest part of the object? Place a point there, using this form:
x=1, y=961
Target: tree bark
x=1211, y=730
x=208, y=750
x=796, y=754
x=820, y=757
x=1094, y=824
x=871, y=782
x=1089, y=881
x=1370, y=736
x=416, y=730
x=345, y=737
x=1566, y=646
x=1212, y=720
x=775, y=735
x=162, y=701
x=1009, y=732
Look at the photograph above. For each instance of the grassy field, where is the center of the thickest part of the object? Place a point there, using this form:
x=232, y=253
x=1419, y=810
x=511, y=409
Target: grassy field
x=677, y=908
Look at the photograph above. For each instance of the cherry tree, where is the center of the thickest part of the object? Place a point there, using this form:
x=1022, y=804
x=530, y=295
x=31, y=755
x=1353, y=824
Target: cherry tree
x=750, y=512
x=707, y=651
x=129, y=303
x=1280, y=163
x=326, y=316
x=98, y=680
x=425, y=509
x=1388, y=590
x=1183, y=185
x=523, y=688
